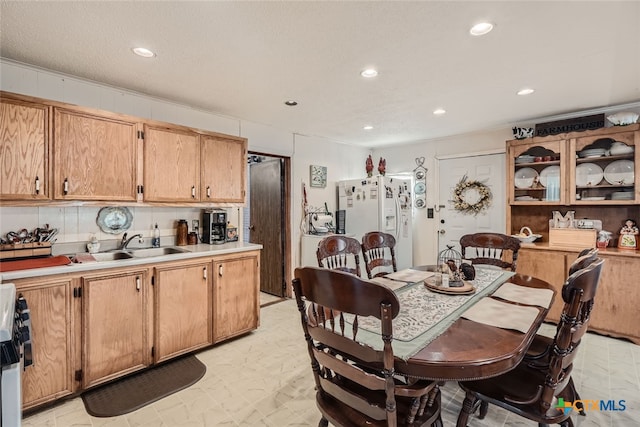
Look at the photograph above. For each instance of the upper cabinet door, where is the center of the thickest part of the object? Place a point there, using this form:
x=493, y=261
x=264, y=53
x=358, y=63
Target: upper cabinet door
x=171, y=165
x=536, y=171
x=603, y=169
x=224, y=169
x=24, y=150
x=95, y=157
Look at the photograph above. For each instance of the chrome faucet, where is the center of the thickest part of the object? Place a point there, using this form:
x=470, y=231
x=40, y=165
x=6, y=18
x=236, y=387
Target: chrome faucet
x=124, y=242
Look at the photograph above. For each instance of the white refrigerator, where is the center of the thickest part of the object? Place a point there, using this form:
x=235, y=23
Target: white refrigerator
x=379, y=203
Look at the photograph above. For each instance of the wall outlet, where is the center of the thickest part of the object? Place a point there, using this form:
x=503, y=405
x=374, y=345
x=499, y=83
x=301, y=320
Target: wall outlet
x=195, y=224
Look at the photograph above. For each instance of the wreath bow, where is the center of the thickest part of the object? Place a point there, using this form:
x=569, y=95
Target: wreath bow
x=461, y=189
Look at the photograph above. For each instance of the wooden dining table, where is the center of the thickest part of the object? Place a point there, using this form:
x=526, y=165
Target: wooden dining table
x=469, y=350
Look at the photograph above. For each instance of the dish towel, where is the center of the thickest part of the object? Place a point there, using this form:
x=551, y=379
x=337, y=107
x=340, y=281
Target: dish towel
x=502, y=314
x=524, y=295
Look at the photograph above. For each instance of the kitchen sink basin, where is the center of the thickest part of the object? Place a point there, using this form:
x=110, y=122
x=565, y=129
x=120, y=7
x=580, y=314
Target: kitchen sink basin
x=112, y=256
x=144, y=253
x=120, y=254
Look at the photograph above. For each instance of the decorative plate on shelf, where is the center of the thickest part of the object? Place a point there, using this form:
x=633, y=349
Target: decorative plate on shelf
x=620, y=172
x=549, y=175
x=114, y=220
x=588, y=174
x=525, y=177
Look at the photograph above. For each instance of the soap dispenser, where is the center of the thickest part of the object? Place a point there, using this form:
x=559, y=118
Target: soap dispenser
x=155, y=242
x=94, y=245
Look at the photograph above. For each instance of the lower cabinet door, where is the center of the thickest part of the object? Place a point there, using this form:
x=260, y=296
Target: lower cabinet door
x=115, y=326
x=615, y=310
x=182, y=296
x=52, y=374
x=236, y=295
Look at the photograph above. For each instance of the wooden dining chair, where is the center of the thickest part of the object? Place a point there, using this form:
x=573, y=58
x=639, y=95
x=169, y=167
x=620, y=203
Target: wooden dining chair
x=532, y=391
x=378, y=253
x=495, y=249
x=339, y=253
x=355, y=383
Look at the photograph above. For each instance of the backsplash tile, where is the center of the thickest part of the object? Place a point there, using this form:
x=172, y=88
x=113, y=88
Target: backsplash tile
x=77, y=224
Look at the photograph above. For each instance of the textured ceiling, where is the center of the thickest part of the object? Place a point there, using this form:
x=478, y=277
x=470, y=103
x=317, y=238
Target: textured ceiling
x=244, y=59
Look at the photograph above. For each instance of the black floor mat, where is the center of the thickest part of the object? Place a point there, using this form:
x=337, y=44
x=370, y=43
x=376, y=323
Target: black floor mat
x=140, y=389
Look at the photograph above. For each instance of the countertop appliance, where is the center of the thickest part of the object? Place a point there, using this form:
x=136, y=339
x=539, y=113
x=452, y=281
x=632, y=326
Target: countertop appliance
x=379, y=203
x=15, y=345
x=214, y=226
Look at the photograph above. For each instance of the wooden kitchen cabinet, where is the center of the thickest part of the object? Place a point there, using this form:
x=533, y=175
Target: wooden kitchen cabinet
x=236, y=287
x=115, y=325
x=223, y=168
x=171, y=164
x=617, y=297
x=183, y=300
x=53, y=340
x=95, y=156
x=617, y=300
x=24, y=149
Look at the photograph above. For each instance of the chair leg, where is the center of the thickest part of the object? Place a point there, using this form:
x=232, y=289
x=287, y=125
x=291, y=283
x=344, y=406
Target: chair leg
x=323, y=422
x=567, y=423
x=468, y=408
x=484, y=408
x=438, y=422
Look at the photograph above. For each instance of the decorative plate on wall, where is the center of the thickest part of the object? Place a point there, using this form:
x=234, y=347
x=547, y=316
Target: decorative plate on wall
x=114, y=220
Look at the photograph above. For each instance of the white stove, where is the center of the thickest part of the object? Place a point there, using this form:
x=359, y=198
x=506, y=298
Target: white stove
x=11, y=330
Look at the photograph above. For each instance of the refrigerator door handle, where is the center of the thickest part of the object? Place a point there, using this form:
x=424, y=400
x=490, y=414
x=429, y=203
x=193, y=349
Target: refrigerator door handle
x=398, y=213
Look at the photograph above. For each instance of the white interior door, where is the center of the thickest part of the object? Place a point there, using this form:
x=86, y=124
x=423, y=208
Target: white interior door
x=488, y=169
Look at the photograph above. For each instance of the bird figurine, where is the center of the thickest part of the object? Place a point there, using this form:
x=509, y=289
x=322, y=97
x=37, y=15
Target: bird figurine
x=382, y=166
x=369, y=166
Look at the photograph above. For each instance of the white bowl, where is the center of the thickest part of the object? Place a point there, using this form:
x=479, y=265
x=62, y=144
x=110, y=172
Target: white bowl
x=618, y=148
x=623, y=118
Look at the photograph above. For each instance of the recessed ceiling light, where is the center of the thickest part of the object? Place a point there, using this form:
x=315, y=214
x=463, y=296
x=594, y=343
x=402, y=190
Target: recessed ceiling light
x=369, y=72
x=145, y=53
x=367, y=127
x=290, y=103
x=439, y=111
x=481, y=29
x=526, y=91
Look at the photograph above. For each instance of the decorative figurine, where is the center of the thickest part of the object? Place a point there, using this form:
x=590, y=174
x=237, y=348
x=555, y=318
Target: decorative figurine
x=628, y=235
x=382, y=166
x=369, y=166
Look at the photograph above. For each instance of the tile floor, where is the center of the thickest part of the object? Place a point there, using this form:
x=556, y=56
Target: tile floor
x=264, y=379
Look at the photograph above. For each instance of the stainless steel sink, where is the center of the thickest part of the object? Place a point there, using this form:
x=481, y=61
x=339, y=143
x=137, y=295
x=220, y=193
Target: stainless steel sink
x=144, y=253
x=112, y=256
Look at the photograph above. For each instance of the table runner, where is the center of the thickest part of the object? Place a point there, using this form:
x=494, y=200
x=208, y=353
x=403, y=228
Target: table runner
x=424, y=315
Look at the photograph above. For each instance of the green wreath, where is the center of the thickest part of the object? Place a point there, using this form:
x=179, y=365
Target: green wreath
x=460, y=192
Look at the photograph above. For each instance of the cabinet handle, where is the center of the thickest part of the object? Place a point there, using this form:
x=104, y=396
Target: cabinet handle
x=208, y=191
x=193, y=191
x=204, y=273
x=37, y=185
x=138, y=284
x=220, y=270
x=65, y=187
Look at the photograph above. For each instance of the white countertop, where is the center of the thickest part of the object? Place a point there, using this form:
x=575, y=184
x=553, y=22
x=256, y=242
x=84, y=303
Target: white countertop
x=194, y=251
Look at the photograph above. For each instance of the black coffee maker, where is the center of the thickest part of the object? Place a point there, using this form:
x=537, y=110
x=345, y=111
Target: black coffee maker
x=215, y=227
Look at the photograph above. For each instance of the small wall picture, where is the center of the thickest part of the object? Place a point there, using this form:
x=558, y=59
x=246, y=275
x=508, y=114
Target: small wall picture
x=318, y=176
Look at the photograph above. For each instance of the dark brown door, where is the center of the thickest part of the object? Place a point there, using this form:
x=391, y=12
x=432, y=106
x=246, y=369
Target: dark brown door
x=266, y=201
